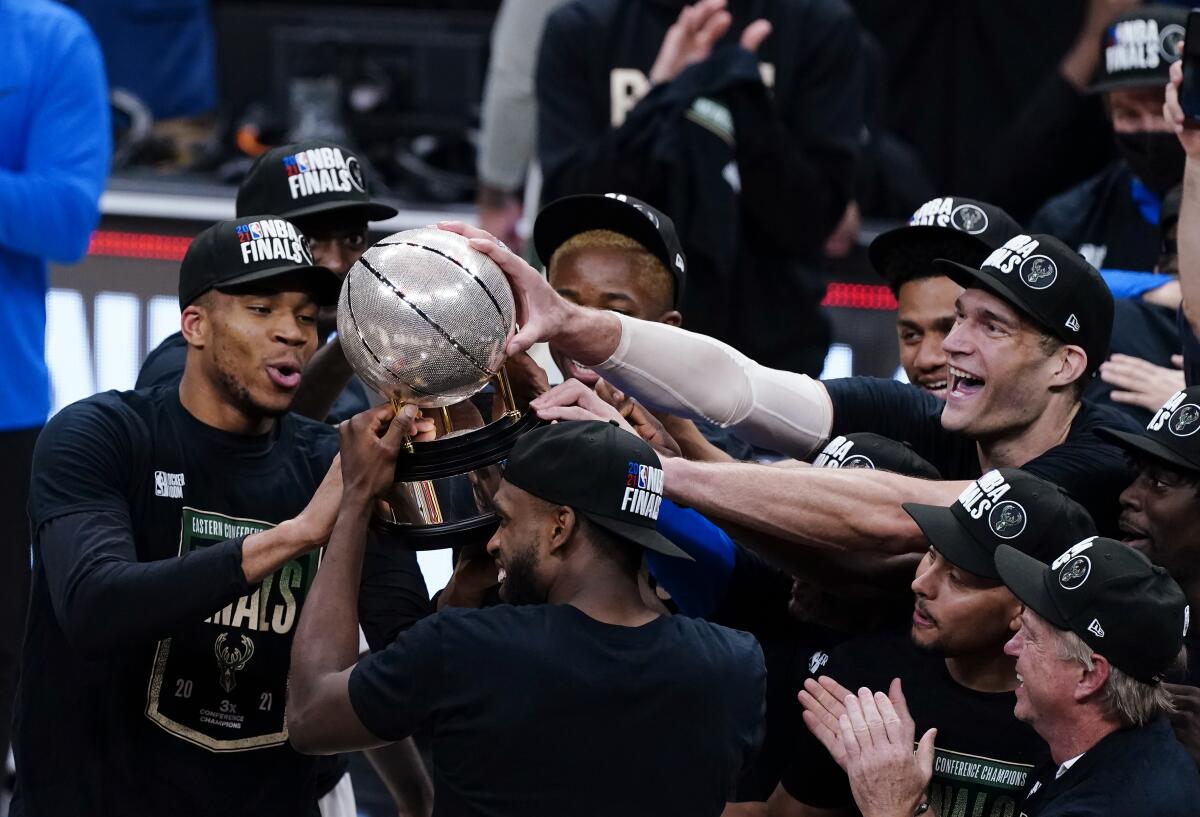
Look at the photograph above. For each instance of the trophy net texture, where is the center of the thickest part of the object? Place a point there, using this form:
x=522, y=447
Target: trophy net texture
x=423, y=318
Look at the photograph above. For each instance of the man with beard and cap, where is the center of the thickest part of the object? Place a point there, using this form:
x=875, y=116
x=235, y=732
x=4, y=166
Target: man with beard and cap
x=1160, y=513
x=176, y=531
x=1101, y=627
x=950, y=660
x=320, y=187
x=961, y=229
x=793, y=617
x=1112, y=218
x=574, y=698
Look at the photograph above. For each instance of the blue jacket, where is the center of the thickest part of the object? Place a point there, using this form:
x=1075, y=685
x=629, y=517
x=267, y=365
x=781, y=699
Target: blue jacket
x=1138, y=772
x=55, y=143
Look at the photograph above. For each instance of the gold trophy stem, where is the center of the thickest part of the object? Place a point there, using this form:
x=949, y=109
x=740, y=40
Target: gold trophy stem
x=397, y=406
x=446, y=424
x=510, y=402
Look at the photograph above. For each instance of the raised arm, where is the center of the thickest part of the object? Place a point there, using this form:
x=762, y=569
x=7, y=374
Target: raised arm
x=105, y=599
x=665, y=367
x=320, y=716
x=1189, y=210
x=845, y=509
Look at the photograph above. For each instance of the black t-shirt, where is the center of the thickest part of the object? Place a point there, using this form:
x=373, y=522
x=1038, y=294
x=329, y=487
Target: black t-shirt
x=1138, y=772
x=542, y=710
x=1092, y=471
x=1100, y=220
x=984, y=755
x=1143, y=330
x=756, y=600
x=154, y=679
x=164, y=367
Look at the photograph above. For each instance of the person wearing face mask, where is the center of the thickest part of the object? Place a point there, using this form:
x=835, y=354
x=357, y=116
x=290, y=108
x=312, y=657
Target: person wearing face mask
x=1112, y=218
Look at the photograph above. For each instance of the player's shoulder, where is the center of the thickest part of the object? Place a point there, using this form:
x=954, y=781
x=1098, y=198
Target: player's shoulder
x=44, y=17
x=1094, y=415
x=133, y=408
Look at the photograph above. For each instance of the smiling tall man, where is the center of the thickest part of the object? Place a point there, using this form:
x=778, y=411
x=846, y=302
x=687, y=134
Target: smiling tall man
x=1031, y=328
x=176, y=534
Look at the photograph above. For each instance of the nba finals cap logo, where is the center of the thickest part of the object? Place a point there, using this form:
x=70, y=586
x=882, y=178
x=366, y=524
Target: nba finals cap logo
x=643, y=490
x=272, y=240
x=1135, y=45
x=1017, y=254
x=942, y=212
x=836, y=454
x=1073, y=566
x=322, y=170
x=983, y=496
x=1181, y=419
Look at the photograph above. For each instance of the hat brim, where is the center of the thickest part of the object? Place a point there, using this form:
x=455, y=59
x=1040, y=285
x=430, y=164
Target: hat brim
x=645, y=537
x=1144, y=444
x=1106, y=85
x=972, y=278
x=371, y=210
x=320, y=282
x=951, y=540
x=883, y=250
x=563, y=219
x=1025, y=576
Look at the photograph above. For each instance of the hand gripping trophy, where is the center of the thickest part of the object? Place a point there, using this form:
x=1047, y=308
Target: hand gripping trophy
x=423, y=319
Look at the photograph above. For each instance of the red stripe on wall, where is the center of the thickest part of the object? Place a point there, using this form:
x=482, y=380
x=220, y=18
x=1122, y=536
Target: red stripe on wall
x=153, y=247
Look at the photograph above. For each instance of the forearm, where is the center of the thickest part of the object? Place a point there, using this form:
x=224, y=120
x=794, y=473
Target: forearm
x=106, y=601
x=324, y=379
x=326, y=639
x=265, y=552
x=400, y=767
x=693, y=376
x=1189, y=243
x=841, y=509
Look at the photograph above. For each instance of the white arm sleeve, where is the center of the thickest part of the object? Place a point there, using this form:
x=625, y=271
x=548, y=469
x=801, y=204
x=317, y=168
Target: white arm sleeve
x=695, y=376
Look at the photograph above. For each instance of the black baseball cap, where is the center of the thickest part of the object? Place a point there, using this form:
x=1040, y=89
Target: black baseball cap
x=252, y=249
x=563, y=219
x=1006, y=506
x=1110, y=595
x=1137, y=49
x=1052, y=285
x=1171, y=435
x=973, y=228
x=876, y=452
x=602, y=471
x=307, y=179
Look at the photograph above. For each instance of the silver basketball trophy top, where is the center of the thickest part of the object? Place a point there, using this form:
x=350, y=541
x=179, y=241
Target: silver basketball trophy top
x=423, y=319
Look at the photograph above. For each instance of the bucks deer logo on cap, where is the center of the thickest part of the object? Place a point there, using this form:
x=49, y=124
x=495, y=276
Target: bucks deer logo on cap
x=1075, y=572
x=1039, y=272
x=355, y=174
x=1169, y=39
x=1007, y=520
x=1185, y=420
x=969, y=218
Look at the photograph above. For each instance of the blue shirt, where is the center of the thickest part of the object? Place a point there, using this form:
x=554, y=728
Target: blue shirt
x=55, y=144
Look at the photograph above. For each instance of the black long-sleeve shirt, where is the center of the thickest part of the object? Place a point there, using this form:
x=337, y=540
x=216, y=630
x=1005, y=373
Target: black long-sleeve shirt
x=152, y=670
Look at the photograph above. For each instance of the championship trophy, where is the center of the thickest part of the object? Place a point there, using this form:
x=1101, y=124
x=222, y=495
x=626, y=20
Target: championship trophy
x=423, y=319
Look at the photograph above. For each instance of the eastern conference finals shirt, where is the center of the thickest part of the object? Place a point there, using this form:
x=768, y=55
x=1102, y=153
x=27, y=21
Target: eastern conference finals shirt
x=984, y=756
x=155, y=678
